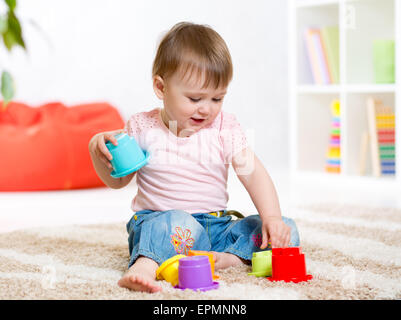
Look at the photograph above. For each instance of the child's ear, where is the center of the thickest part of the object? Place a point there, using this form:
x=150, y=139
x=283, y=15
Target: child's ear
x=158, y=86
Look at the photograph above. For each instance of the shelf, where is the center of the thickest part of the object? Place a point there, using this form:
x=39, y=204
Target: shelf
x=372, y=20
x=360, y=23
x=357, y=124
x=306, y=17
x=315, y=3
x=350, y=88
x=366, y=88
x=313, y=130
x=310, y=88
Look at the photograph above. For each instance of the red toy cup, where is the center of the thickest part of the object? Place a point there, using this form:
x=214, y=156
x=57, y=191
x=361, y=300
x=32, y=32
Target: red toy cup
x=288, y=264
x=195, y=273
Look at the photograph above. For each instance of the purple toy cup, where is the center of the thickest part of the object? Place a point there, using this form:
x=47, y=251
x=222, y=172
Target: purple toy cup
x=195, y=273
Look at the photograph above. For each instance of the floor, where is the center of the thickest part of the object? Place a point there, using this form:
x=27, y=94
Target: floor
x=19, y=210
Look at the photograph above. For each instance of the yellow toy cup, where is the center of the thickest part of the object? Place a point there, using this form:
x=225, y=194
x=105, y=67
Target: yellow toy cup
x=168, y=270
x=209, y=255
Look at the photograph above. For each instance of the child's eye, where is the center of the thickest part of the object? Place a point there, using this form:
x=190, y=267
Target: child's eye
x=217, y=100
x=194, y=100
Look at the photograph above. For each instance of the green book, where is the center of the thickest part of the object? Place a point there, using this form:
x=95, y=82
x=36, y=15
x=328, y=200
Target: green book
x=331, y=43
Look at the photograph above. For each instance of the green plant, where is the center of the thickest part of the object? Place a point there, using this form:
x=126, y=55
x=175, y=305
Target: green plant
x=11, y=33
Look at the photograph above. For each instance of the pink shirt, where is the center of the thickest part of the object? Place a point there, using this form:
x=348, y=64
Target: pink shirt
x=184, y=173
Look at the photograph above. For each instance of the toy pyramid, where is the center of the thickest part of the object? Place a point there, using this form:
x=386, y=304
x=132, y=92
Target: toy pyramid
x=381, y=120
x=333, y=155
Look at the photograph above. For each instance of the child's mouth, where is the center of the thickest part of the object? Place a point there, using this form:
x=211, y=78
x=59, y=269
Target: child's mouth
x=197, y=121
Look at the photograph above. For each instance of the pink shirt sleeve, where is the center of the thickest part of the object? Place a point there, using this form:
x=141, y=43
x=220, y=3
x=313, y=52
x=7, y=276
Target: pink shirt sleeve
x=141, y=122
x=132, y=126
x=232, y=135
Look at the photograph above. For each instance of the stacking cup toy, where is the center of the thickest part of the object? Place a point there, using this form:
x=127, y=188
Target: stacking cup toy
x=195, y=273
x=209, y=255
x=261, y=264
x=288, y=264
x=168, y=270
x=127, y=155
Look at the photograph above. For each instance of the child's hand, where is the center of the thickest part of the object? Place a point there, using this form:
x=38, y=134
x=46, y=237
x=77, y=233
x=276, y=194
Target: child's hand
x=275, y=231
x=98, y=146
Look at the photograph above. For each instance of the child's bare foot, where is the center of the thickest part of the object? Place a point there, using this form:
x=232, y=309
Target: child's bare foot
x=224, y=260
x=141, y=276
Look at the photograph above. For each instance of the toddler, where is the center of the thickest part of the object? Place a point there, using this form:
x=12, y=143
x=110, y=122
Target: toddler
x=181, y=200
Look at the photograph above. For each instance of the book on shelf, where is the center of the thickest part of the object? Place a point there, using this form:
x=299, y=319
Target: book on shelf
x=331, y=46
x=323, y=54
x=381, y=125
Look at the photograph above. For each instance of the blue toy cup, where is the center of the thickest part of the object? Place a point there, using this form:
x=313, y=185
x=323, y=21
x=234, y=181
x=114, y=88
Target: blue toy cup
x=127, y=155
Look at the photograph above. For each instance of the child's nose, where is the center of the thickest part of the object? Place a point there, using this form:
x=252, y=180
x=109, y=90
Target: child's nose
x=204, y=109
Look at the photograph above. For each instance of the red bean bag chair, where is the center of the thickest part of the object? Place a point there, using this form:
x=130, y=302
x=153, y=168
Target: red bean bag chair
x=46, y=147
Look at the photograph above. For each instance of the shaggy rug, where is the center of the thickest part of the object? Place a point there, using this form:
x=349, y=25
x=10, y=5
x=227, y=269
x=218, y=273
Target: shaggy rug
x=352, y=253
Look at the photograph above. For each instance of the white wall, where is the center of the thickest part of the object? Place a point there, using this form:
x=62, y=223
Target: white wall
x=102, y=50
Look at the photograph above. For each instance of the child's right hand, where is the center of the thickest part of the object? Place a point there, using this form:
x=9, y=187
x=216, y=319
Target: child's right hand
x=98, y=146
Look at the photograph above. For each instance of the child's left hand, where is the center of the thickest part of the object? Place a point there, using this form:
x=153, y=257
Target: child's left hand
x=274, y=230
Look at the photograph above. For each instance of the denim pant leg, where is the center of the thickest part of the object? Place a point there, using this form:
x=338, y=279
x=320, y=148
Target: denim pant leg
x=246, y=236
x=216, y=229
x=159, y=235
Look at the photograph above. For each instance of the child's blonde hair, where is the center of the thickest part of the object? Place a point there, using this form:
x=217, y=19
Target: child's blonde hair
x=189, y=47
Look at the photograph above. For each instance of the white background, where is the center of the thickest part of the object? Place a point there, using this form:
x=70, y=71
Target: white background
x=87, y=50
x=102, y=50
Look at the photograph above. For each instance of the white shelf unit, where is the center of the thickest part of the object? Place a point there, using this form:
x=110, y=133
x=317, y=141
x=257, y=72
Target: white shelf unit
x=359, y=22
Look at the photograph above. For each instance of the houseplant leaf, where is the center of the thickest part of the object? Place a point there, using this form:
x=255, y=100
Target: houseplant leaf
x=13, y=35
x=7, y=88
x=11, y=4
x=3, y=25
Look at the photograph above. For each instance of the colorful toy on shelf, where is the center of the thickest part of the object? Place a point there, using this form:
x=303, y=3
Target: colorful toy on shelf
x=168, y=270
x=195, y=273
x=288, y=264
x=127, y=155
x=333, y=155
x=209, y=255
x=261, y=264
x=381, y=121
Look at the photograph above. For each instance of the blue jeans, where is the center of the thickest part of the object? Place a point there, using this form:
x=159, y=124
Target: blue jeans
x=159, y=235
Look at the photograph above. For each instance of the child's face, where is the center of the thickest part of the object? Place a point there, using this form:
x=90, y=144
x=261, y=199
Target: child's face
x=185, y=101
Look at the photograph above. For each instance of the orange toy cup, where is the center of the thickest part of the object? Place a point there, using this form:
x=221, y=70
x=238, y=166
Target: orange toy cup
x=288, y=264
x=205, y=253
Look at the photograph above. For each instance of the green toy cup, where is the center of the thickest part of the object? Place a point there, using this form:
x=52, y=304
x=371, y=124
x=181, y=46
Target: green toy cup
x=383, y=61
x=261, y=264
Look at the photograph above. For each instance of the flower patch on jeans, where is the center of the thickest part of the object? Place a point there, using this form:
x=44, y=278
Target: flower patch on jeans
x=257, y=241
x=182, y=240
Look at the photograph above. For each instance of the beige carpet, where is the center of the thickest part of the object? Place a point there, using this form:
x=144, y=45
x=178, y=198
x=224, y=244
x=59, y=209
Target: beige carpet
x=352, y=252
